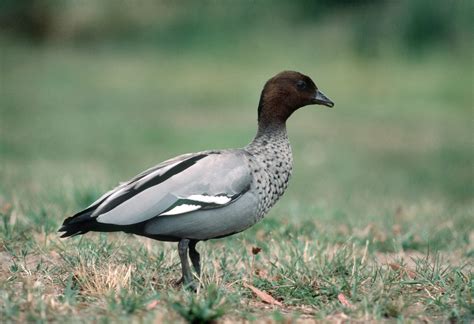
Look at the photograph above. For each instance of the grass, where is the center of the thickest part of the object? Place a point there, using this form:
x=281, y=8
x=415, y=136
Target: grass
x=379, y=209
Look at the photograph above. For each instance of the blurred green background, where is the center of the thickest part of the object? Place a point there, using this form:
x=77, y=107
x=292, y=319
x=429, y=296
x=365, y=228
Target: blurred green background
x=92, y=92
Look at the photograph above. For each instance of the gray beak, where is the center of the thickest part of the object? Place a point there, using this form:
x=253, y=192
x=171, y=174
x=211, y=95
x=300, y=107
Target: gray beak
x=321, y=99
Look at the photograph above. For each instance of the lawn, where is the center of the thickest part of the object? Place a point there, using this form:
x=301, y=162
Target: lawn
x=377, y=222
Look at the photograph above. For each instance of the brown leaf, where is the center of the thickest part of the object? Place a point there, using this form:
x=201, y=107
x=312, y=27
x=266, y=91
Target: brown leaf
x=6, y=208
x=411, y=273
x=261, y=273
x=398, y=267
x=399, y=212
x=397, y=229
x=344, y=301
x=343, y=229
x=256, y=250
x=263, y=295
x=152, y=304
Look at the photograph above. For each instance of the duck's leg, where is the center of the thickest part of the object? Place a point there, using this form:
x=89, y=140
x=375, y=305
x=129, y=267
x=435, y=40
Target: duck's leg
x=183, y=255
x=195, y=257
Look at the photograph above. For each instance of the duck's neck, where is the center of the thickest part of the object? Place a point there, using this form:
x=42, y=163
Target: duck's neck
x=269, y=137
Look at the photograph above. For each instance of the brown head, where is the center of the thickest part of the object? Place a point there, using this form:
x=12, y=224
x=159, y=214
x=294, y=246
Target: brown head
x=286, y=92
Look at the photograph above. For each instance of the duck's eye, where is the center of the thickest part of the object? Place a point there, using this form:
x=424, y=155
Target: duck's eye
x=301, y=85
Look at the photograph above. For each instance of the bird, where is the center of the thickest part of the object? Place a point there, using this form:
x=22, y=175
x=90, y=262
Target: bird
x=209, y=194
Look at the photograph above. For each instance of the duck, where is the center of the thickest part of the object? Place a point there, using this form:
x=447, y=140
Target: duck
x=209, y=194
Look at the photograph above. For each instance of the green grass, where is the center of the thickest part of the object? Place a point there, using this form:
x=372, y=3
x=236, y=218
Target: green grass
x=379, y=208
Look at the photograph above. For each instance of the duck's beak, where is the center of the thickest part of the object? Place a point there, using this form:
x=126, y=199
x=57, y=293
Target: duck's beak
x=321, y=99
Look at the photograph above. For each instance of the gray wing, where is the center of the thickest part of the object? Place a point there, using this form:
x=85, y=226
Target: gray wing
x=181, y=185
x=163, y=166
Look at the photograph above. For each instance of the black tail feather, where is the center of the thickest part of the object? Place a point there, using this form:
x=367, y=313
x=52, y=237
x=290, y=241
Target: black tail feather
x=78, y=224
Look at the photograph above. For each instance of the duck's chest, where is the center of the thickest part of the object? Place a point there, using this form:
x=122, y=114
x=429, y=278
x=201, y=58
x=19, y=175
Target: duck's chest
x=271, y=170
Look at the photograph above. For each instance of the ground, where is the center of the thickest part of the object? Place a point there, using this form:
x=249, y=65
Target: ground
x=377, y=223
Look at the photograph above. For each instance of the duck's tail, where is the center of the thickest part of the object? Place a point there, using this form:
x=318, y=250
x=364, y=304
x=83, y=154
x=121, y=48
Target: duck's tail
x=78, y=224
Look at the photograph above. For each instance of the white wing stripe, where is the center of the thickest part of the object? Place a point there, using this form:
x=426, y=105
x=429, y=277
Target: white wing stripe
x=219, y=200
x=181, y=209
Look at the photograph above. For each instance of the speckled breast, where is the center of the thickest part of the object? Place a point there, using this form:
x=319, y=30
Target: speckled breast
x=271, y=165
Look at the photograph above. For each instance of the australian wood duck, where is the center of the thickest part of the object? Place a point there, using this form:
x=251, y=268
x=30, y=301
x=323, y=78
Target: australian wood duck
x=211, y=194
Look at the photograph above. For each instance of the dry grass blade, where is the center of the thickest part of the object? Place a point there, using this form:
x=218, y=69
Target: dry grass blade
x=98, y=281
